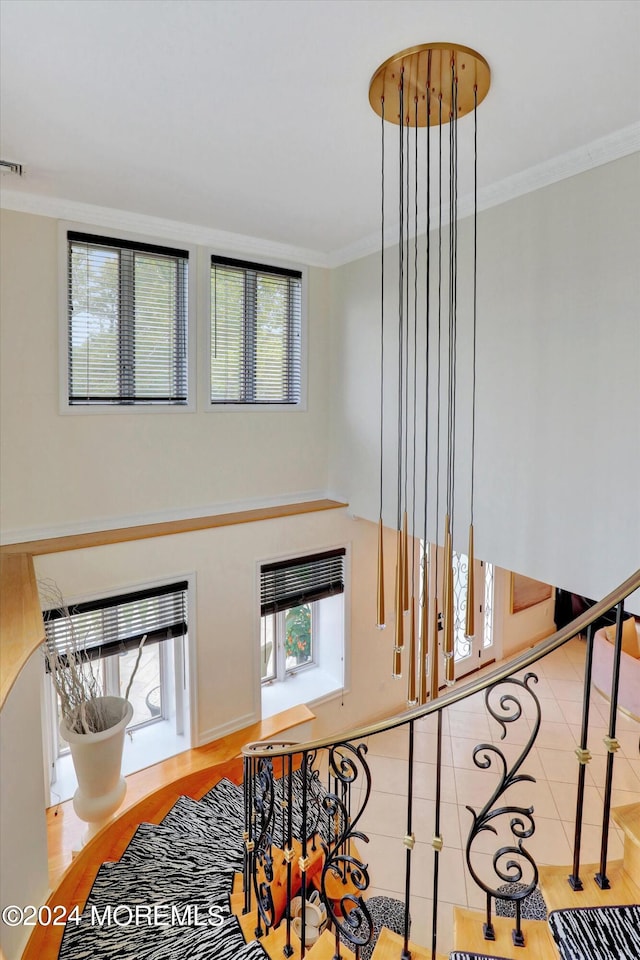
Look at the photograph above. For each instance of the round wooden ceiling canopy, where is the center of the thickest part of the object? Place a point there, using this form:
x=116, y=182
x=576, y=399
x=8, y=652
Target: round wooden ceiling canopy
x=429, y=64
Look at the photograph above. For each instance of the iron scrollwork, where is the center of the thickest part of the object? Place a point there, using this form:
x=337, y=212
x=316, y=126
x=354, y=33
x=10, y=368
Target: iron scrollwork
x=264, y=817
x=349, y=913
x=512, y=863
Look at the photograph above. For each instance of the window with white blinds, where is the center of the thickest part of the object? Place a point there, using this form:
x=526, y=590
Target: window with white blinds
x=127, y=331
x=256, y=319
x=100, y=628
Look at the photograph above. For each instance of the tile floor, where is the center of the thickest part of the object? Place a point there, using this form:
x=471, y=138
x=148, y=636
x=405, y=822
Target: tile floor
x=551, y=761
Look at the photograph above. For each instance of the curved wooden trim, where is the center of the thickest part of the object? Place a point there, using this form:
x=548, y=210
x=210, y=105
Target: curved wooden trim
x=21, y=624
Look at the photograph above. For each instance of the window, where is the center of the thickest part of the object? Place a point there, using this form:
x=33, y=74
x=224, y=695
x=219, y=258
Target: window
x=286, y=641
x=127, y=322
x=108, y=632
x=255, y=333
x=301, y=629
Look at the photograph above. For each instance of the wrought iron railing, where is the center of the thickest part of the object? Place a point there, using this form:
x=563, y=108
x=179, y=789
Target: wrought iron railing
x=301, y=833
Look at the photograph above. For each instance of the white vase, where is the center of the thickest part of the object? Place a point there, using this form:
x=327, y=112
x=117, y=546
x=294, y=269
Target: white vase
x=97, y=759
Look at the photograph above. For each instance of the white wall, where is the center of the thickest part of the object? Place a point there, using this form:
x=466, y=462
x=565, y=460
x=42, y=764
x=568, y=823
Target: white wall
x=24, y=877
x=558, y=389
x=225, y=562
x=92, y=470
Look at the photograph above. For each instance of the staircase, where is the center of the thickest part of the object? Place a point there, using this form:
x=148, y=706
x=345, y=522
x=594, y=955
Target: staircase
x=217, y=877
x=187, y=872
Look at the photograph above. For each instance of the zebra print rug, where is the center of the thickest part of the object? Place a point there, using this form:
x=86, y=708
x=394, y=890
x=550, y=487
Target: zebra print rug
x=167, y=898
x=597, y=933
x=457, y=955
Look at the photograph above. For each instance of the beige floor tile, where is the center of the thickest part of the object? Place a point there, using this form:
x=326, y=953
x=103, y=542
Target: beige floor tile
x=475, y=787
x=557, y=666
x=540, y=686
x=571, y=710
x=425, y=748
x=386, y=857
x=550, y=710
x=624, y=773
x=538, y=795
x=559, y=764
x=424, y=783
x=483, y=866
x=474, y=704
x=556, y=736
x=429, y=724
x=549, y=844
x=388, y=774
x=575, y=651
x=472, y=725
x=591, y=840
x=595, y=740
x=450, y=871
x=391, y=743
x=424, y=823
x=567, y=689
x=620, y=798
x=629, y=745
x=386, y=814
x=565, y=796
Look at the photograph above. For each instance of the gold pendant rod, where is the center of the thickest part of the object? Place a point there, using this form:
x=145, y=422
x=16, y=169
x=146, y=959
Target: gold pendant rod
x=470, y=622
x=424, y=642
x=434, y=658
x=380, y=604
x=405, y=563
x=399, y=630
x=411, y=670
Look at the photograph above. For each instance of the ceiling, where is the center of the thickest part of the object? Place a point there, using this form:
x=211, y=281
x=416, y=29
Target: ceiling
x=251, y=117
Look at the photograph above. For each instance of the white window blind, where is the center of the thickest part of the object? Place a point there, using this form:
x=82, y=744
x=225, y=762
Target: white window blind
x=127, y=322
x=256, y=319
x=289, y=583
x=115, y=624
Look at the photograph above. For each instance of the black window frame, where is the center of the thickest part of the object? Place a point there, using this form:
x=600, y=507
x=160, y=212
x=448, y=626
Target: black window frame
x=292, y=395
x=127, y=396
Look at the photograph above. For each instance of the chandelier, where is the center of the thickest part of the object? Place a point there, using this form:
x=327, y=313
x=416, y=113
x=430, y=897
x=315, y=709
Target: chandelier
x=431, y=86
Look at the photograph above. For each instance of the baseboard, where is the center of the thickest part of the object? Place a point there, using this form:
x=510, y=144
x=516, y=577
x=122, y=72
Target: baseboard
x=225, y=729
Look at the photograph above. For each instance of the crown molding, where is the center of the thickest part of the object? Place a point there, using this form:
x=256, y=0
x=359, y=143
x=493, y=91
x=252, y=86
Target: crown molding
x=614, y=146
x=126, y=220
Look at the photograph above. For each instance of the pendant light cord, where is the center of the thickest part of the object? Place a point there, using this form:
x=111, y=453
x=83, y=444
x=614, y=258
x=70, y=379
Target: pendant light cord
x=475, y=277
x=400, y=299
x=381, y=305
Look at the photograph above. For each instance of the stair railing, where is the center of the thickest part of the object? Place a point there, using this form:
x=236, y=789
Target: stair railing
x=336, y=818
